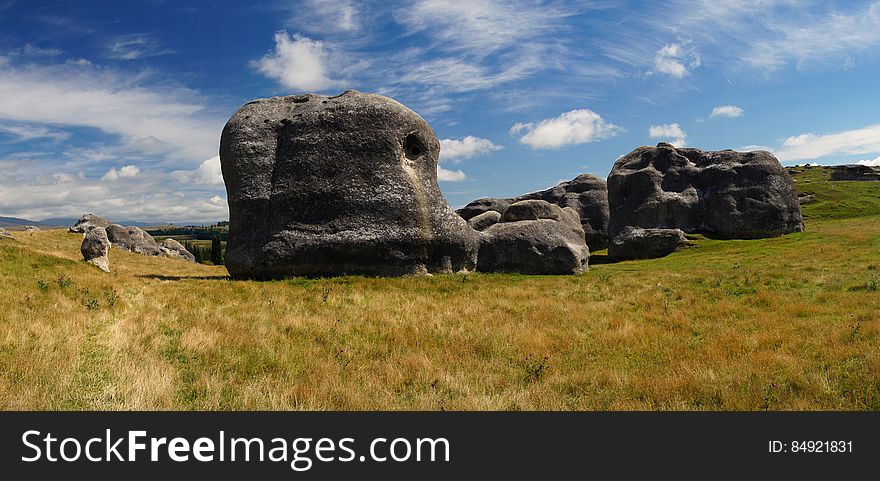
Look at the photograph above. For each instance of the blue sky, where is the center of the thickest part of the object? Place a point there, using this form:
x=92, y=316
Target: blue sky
x=117, y=107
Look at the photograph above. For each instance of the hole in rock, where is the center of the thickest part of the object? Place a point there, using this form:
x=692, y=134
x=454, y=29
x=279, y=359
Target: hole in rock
x=412, y=147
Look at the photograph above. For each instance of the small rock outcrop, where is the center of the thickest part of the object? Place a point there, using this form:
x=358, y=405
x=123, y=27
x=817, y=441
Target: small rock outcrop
x=586, y=194
x=96, y=247
x=483, y=221
x=31, y=228
x=87, y=221
x=639, y=243
x=321, y=186
x=172, y=248
x=534, y=237
x=6, y=234
x=133, y=239
x=855, y=172
x=725, y=194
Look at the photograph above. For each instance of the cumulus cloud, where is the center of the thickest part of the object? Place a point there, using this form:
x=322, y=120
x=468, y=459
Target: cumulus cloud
x=670, y=133
x=570, y=128
x=872, y=163
x=208, y=173
x=445, y=175
x=676, y=60
x=127, y=172
x=298, y=63
x=455, y=150
x=727, y=111
x=808, y=145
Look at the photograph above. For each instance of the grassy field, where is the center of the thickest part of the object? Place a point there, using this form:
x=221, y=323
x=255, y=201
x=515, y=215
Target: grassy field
x=784, y=323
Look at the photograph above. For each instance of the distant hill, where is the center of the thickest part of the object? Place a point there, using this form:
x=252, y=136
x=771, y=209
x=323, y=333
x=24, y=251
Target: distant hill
x=15, y=222
x=69, y=221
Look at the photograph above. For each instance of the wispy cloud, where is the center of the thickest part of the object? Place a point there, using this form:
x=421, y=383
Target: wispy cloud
x=135, y=46
x=23, y=132
x=808, y=146
x=570, y=128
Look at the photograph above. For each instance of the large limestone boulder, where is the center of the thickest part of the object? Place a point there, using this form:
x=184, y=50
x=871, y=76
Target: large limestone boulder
x=535, y=238
x=6, y=234
x=586, y=194
x=133, y=239
x=639, y=243
x=174, y=249
x=96, y=247
x=725, y=194
x=321, y=186
x=855, y=172
x=88, y=221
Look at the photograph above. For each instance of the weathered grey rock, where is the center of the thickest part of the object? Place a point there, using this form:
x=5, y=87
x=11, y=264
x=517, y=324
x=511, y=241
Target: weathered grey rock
x=855, y=172
x=639, y=243
x=172, y=248
x=5, y=233
x=31, y=228
x=484, y=220
x=87, y=221
x=725, y=194
x=96, y=247
x=545, y=239
x=322, y=186
x=586, y=194
x=133, y=239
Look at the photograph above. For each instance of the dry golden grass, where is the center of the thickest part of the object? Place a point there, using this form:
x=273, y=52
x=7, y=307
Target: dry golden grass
x=786, y=323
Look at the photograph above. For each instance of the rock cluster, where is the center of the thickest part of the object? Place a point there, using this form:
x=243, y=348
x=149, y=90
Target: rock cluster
x=725, y=194
x=534, y=237
x=321, y=186
x=96, y=247
x=855, y=172
x=133, y=239
x=31, y=228
x=586, y=194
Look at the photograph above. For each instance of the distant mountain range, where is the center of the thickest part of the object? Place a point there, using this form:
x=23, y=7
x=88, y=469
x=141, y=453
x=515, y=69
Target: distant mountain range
x=65, y=222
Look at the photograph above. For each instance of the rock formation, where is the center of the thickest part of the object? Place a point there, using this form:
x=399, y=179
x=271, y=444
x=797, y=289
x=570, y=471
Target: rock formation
x=483, y=221
x=5, y=233
x=322, y=186
x=31, y=228
x=172, y=248
x=534, y=237
x=725, y=194
x=87, y=221
x=96, y=247
x=639, y=243
x=133, y=239
x=855, y=172
x=586, y=194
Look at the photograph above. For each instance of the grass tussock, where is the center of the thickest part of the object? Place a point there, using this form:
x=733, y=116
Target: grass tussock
x=783, y=323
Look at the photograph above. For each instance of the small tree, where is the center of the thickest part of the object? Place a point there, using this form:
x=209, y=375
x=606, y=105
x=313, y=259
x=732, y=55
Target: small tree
x=216, y=251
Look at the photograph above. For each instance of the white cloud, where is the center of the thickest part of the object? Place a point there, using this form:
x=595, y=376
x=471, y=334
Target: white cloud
x=327, y=16
x=82, y=95
x=445, y=175
x=670, y=133
x=455, y=150
x=571, y=128
x=208, y=173
x=676, y=60
x=135, y=46
x=811, y=146
x=728, y=111
x=872, y=163
x=298, y=63
x=26, y=132
x=127, y=172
